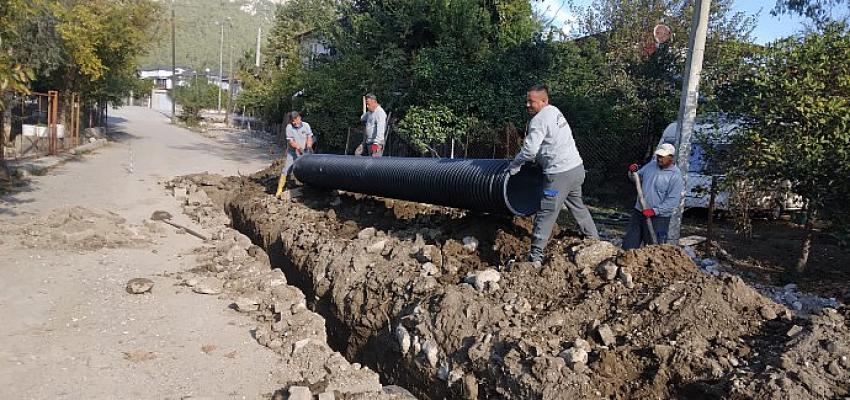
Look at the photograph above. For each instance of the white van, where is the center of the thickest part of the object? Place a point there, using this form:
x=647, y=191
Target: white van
x=716, y=130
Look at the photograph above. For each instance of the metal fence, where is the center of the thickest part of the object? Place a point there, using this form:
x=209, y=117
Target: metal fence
x=42, y=124
x=606, y=160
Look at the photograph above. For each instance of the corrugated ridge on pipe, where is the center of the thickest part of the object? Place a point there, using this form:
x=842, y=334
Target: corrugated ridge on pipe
x=473, y=184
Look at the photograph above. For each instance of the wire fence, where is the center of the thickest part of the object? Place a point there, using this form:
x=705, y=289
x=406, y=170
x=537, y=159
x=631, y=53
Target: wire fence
x=606, y=160
x=492, y=145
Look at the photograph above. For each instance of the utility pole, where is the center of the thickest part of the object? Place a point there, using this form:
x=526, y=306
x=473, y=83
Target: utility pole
x=229, y=85
x=257, y=55
x=173, y=67
x=220, y=64
x=688, y=107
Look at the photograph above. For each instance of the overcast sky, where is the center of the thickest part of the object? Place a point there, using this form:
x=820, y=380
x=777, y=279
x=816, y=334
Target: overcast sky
x=767, y=29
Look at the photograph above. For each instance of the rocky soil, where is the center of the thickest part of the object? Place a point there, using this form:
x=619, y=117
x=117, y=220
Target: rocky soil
x=229, y=264
x=431, y=299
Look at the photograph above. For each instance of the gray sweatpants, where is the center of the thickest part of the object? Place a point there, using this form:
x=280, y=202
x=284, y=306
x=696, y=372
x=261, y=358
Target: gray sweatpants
x=637, y=233
x=561, y=189
x=288, y=163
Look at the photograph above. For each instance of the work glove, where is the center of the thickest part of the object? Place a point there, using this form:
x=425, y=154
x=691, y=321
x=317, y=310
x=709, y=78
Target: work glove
x=649, y=213
x=633, y=168
x=514, y=167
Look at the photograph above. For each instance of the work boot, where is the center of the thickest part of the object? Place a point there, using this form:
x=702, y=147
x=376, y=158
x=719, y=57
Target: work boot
x=535, y=261
x=280, y=185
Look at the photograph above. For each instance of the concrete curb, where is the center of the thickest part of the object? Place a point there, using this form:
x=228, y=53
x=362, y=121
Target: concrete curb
x=89, y=146
x=37, y=166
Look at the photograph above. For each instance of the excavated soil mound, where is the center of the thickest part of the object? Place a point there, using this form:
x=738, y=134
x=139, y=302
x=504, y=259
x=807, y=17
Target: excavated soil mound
x=82, y=229
x=430, y=298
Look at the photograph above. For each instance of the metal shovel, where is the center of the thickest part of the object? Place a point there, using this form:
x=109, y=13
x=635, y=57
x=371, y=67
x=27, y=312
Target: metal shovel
x=165, y=216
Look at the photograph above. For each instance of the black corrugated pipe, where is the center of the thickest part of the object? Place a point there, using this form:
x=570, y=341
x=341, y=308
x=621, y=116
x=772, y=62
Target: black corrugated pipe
x=472, y=184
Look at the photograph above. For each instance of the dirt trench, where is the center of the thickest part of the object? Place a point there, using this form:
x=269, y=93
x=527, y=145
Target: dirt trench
x=429, y=298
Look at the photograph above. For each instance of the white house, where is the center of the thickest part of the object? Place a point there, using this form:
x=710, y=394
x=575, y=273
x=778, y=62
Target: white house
x=162, y=76
x=312, y=45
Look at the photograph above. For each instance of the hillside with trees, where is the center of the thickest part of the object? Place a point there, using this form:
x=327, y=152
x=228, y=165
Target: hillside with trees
x=198, y=31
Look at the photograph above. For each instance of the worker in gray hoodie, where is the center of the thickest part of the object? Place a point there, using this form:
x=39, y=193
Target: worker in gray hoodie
x=661, y=183
x=549, y=142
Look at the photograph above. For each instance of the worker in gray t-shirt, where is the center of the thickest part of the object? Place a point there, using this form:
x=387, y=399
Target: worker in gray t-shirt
x=549, y=142
x=299, y=140
x=374, y=119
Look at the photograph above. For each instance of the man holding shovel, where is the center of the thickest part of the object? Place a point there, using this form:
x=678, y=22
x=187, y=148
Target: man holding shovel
x=299, y=140
x=659, y=185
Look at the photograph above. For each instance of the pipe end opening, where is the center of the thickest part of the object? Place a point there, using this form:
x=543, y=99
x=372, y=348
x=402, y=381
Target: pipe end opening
x=524, y=190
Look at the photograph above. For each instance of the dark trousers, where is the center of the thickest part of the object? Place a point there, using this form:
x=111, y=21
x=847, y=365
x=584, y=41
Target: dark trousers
x=637, y=233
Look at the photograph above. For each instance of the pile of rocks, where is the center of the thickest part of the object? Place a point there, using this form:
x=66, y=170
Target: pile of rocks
x=229, y=264
x=789, y=295
x=449, y=320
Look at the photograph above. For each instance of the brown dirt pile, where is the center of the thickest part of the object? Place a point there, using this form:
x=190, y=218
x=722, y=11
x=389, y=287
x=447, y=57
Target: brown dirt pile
x=80, y=228
x=402, y=293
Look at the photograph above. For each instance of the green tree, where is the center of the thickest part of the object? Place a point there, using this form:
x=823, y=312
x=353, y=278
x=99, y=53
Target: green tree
x=821, y=12
x=638, y=84
x=465, y=55
x=14, y=76
x=103, y=40
x=194, y=98
x=423, y=127
x=798, y=99
x=268, y=90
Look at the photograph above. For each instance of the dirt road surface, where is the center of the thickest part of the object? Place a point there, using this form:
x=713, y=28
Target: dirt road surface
x=70, y=330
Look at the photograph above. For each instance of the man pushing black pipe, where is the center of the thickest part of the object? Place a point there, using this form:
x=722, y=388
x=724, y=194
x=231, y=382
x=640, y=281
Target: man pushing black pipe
x=299, y=140
x=549, y=142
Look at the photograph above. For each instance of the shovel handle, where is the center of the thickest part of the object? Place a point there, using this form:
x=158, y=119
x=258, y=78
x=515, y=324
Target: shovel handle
x=644, y=206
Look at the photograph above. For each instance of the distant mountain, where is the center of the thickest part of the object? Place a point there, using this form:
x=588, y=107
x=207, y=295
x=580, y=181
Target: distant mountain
x=198, y=33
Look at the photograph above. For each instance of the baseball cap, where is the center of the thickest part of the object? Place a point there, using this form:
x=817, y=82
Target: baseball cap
x=665, y=149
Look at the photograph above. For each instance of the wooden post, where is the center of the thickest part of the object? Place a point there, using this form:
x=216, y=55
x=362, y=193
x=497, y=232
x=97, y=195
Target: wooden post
x=76, y=116
x=347, y=139
x=52, y=118
x=712, y=198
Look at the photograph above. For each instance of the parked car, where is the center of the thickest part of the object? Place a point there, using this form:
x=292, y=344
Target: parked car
x=715, y=131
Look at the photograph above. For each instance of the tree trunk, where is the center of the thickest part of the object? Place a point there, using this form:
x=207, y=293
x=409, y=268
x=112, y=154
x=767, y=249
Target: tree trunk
x=808, y=235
